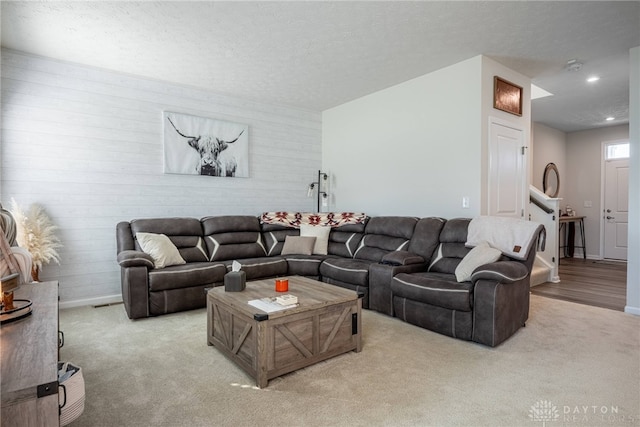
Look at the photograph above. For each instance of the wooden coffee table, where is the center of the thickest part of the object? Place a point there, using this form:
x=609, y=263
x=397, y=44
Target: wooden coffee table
x=325, y=323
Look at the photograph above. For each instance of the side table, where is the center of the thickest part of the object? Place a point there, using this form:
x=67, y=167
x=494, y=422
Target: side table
x=569, y=241
x=30, y=360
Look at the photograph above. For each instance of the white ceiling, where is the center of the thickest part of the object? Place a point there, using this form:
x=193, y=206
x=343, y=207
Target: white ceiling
x=317, y=55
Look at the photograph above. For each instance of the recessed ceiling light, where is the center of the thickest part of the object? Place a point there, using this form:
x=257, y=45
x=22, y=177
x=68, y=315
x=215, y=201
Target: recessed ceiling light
x=593, y=79
x=610, y=119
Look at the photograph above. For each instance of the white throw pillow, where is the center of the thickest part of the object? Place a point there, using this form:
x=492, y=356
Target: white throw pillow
x=480, y=255
x=161, y=249
x=321, y=233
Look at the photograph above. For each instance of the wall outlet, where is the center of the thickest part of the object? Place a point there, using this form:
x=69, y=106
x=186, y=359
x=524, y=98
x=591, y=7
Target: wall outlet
x=465, y=202
x=588, y=204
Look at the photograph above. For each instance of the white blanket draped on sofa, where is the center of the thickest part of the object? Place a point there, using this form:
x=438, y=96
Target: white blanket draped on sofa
x=510, y=235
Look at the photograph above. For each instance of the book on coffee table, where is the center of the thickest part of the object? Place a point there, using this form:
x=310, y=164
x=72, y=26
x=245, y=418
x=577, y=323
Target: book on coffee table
x=269, y=305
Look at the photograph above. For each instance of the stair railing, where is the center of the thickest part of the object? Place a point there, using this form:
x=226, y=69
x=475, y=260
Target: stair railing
x=546, y=210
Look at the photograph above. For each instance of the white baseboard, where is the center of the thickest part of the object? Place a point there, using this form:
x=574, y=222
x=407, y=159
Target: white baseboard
x=632, y=310
x=577, y=255
x=109, y=299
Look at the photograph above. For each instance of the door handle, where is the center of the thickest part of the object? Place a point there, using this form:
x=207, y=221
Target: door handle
x=608, y=210
x=611, y=217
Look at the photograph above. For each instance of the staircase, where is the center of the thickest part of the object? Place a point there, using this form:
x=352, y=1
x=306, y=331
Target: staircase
x=540, y=273
x=545, y=210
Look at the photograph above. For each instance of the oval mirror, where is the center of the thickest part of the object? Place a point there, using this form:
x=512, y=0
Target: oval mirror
x=551, y=180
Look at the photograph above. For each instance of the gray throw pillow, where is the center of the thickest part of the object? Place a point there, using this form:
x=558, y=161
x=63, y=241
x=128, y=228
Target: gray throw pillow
x=298, y=245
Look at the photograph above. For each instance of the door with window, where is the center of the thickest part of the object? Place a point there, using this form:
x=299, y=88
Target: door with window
x=616, y=200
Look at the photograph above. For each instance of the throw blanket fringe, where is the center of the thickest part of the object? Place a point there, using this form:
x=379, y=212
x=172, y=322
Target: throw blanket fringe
x=295, y=219
x=512, y=236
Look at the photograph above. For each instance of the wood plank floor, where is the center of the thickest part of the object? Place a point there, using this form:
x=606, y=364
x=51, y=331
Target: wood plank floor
x=597, y=283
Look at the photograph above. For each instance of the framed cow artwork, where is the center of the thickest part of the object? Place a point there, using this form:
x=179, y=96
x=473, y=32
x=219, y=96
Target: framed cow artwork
x=202, y=146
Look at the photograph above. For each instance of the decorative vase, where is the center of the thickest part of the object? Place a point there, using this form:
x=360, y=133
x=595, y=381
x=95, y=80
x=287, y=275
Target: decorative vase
x=35, y=274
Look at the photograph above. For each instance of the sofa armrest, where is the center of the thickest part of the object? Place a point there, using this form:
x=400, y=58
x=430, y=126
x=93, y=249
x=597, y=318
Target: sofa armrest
x=499, y=310
x=501, y=272
x=135, y=259
x=500, y=301
x=135, y=291
x=380, y=277
x=402, y=258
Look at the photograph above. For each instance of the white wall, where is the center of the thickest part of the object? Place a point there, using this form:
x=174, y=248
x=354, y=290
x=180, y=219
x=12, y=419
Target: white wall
x=549, y=146
x=411, y=149
x=633, y=266
x=490, y=69
x=419, y=147
x=87, y=145
x=583, y=182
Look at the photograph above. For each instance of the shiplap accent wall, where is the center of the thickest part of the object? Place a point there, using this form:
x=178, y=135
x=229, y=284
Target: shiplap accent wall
x=87, y=144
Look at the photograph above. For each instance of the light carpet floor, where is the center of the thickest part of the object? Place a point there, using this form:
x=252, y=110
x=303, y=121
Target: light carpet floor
x=572, y=365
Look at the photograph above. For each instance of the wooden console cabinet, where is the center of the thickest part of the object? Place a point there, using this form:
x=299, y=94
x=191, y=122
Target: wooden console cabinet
x=30, y=361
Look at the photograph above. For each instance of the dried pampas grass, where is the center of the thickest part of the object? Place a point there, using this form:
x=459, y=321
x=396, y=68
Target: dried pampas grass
x=36, y=233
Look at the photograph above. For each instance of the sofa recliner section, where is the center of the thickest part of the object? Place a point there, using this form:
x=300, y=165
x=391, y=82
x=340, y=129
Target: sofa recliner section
x=382, y=236
x=488, y=308
x=417, y=255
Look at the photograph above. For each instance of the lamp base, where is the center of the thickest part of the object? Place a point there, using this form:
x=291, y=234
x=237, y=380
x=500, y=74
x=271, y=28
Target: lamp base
x=7, y=301
x=21, y=309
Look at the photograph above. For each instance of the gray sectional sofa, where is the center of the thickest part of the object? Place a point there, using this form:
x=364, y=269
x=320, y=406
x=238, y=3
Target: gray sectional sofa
x=402, y=266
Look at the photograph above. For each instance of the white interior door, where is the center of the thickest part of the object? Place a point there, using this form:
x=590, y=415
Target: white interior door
x=616, y=208
x=507, y=176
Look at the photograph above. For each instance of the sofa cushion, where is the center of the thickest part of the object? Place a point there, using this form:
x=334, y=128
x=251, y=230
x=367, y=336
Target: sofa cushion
x=441, y=290
x=321, y=233
x=304, y=265
x=480, y=255
x=426, y=237
x=233, y=237
x=298, y=245
x=186, y=276
x=160, y=248
x=353, y=271
x=384, y=235
x=451, y=249
x=191, y=248
x=345, y=239
x=168, y=226
x=261, y=267
x=274, y=235
x=185, y=233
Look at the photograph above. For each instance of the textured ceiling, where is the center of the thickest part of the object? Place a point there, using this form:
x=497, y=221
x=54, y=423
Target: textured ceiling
x=317, y=55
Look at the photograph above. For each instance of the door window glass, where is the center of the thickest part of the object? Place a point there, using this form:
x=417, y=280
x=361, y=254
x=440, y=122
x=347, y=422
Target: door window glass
x=617, y=151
